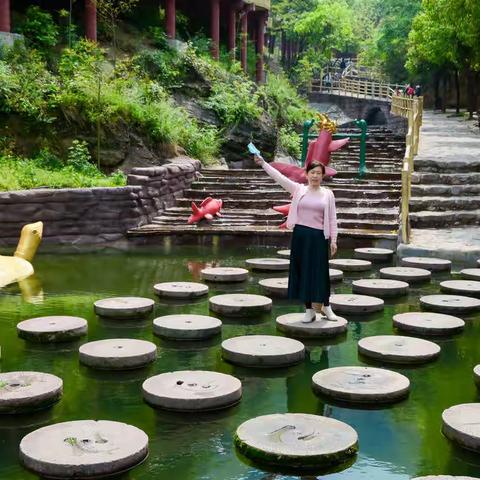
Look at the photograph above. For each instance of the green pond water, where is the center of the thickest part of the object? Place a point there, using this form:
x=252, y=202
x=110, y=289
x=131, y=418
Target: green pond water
x=396, y=443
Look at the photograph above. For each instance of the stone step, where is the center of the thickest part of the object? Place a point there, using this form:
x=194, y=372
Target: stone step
x=452, y=166
x=265, y=180
x=199, y=195
x=248, y=173
x=247, y=186
x=446, y=178
x=176, y=230
x=452, y=218
x=224, y=222
x=347, y=213
x=436, y=190
x=264, y=203
x=432, y=204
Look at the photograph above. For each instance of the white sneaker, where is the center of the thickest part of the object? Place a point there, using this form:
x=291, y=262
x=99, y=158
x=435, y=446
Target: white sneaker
x=310, y=315
x=328, y=312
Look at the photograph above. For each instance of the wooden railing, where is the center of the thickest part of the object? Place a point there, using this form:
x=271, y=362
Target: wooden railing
x=412, y=110
x=355, y=87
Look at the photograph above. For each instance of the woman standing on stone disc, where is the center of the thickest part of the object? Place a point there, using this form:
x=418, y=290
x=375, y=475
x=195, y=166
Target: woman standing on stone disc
x=313, y=217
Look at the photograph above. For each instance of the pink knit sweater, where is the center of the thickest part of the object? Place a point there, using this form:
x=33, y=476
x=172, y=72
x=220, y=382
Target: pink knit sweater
x=298, y=215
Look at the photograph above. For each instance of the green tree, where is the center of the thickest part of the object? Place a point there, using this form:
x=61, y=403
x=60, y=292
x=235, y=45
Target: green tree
x=109, y=12
x=445, y=37
x=387, y=24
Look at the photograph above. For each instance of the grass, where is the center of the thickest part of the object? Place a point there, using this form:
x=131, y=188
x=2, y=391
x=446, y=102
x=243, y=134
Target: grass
x=17, y=173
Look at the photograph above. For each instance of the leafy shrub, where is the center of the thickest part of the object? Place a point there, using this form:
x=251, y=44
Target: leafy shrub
x=17, y=173
x=165, y=66
x=39, y=29
x=289, y=141
x=26, y=86
x=283, y=102
x=79, y=159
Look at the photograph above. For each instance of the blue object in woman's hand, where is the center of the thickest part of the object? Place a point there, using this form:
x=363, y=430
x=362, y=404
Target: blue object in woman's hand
x=254, y=150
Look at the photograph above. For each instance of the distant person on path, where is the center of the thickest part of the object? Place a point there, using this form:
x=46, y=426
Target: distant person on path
x=410, y=91
x=313, y=217
x=418, y=91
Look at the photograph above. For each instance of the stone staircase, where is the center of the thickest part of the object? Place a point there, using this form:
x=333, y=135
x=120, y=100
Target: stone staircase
x=445, y=194
x=366, y=208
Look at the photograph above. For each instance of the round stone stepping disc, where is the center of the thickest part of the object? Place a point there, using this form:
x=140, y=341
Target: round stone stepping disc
x=240, y=304
x=429, y=263
x=470, y=288
x=374, y=254
x=398, y=349
x=27, y=391
x=275, y=286
x=356, y=304
x=263, y=351
x=428, y=323
x=361, y=384
x=186, y=327
x=192, y=391
x=118, y=353
x=351, y=264
x=83, y=449
x=224, y=274
x=52, y=329
x=444, y=477
x=292, y=324
x=471, y=273
x=268, y=264
x=380, y=287
x=284, y=253
x=180, y=289
x=406, y=274
x=296, y=440
x=335, y=275
x=461, y=424
x=450, y=303
x=124, y=307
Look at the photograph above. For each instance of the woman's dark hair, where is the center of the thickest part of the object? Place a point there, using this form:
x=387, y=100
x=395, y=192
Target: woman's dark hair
x=315, y=165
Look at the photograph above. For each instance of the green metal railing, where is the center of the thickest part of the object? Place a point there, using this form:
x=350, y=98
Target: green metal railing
x=361, y=124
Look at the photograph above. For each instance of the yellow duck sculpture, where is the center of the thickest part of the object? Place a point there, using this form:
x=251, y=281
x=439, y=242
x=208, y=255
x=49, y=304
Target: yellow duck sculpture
x=18, y=267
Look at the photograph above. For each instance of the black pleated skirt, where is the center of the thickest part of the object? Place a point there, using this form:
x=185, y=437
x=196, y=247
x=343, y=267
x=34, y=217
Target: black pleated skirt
x=309, y=278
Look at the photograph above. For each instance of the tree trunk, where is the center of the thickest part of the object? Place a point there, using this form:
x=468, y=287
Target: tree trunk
x=284, y=48
x=444, y=92
x=436, y=83
x=457, y=90
x=271, y=44
x=471, y=93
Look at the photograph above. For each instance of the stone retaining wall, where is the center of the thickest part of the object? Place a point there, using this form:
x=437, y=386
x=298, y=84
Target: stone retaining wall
x=88, y=216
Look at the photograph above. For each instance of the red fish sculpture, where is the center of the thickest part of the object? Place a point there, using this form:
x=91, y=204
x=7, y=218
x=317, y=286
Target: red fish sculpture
x=283, y=209
x=318, y=151
x=209, y=208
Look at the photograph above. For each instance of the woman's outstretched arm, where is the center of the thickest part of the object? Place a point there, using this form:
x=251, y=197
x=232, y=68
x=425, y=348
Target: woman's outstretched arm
x=289, y=185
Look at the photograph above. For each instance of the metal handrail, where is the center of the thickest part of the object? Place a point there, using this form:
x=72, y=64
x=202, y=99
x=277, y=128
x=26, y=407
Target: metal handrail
x=361, y=124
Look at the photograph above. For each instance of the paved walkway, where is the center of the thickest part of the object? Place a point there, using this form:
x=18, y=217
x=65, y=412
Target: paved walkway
x=447, y=139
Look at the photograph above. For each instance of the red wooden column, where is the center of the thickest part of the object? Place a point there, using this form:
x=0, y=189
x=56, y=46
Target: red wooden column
x=260, y=44
x=5, y=16
x=90, y=20
x=170, y=17
x=215, y=28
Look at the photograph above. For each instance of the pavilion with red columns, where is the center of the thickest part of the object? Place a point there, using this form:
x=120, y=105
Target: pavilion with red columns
x=223, y=15
x=250, y=16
